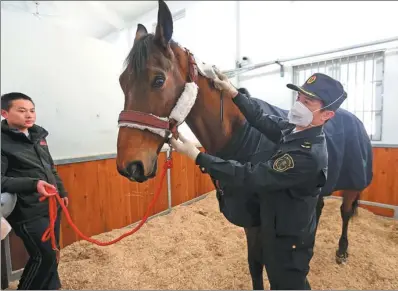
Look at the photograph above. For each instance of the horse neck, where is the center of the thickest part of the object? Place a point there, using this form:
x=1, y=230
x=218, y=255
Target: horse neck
x=205, y=120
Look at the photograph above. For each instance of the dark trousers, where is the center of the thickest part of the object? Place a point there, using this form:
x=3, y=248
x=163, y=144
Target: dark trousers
x=287, y=263
x=41, y=270
x=286, y=258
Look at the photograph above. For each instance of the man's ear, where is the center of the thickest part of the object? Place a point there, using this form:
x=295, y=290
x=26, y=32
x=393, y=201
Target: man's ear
x=327, y=115
x=4, y=113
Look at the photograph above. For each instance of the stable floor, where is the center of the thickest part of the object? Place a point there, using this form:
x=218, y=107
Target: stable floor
x=195, y=247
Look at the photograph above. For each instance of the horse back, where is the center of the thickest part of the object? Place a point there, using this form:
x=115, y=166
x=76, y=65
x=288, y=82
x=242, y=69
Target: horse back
x=350, y=153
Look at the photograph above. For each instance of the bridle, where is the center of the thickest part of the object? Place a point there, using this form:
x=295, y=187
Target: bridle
x=167, y=126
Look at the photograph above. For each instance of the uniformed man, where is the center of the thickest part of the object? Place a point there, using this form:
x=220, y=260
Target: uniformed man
x=290, y=181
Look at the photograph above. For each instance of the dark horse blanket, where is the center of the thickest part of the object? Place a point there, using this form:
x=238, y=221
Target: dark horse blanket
x=349, y=155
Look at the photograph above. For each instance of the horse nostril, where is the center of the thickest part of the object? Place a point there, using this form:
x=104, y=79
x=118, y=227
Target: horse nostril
x=122, y=172
x=135, y=170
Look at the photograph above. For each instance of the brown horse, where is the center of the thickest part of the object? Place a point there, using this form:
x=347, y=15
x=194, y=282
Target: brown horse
x=156, y=75
x=164, y=86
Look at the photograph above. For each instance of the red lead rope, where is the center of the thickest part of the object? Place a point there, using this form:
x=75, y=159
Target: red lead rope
x=52, y=208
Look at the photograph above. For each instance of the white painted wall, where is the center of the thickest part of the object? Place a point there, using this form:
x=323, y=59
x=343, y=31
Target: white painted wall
x=271, y=30
x=390, y=100
x=72, y=79
x=121, y=40
x=197, y=32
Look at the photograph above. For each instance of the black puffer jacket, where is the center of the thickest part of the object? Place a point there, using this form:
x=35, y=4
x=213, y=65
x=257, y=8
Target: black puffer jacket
x=25, y=161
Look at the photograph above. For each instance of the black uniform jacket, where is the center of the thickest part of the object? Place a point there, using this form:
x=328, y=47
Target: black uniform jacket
x=291, y=179
x=25, y=161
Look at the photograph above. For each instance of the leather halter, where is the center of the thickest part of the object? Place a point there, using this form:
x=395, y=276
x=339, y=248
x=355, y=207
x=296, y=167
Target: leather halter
x=166, y=124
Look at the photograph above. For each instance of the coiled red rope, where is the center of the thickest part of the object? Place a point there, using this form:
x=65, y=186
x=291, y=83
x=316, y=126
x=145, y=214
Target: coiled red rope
x=52, y=209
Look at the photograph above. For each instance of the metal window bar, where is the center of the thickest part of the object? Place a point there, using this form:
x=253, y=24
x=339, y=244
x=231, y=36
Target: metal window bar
x=238, y=71
x=362, y=78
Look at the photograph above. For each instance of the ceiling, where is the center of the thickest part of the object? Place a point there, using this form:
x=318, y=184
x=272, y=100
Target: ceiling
x=92, y=18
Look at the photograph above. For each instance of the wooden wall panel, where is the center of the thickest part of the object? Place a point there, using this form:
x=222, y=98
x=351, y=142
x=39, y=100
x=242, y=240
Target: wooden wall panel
x=182, y=179
x=18, y=252
x=101, y=200
x=203, y=181
x=384, y=186
x=187, y=181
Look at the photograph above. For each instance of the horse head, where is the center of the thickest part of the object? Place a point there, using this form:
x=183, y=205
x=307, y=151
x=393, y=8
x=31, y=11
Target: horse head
x=164, y=86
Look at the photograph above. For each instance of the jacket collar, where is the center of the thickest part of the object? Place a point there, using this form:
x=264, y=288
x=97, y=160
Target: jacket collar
x=313, y=134
x=35, y=132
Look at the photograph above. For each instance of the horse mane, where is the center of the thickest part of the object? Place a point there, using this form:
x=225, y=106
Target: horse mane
x=139, y=54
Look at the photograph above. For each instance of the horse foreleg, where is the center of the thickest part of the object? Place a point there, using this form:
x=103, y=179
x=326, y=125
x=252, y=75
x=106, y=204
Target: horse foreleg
x=348, y=209
x=254, y=256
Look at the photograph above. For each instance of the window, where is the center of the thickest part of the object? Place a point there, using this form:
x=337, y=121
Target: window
x=362, y=78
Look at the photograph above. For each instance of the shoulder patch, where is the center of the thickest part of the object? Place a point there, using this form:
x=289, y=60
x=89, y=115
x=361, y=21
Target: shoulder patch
x=283, y=163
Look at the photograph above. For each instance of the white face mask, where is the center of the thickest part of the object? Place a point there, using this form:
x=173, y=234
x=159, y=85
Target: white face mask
x=300, y=115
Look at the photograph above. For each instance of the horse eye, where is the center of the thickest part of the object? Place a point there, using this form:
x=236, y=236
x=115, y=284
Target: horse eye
x=158, y=82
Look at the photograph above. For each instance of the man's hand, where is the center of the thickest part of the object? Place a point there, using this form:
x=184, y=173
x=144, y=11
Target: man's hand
x=223, y=84
x=45, y=188
x=185, y=147
x=5, y=228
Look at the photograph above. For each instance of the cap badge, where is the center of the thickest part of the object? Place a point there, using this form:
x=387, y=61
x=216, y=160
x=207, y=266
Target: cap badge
x=311, y=80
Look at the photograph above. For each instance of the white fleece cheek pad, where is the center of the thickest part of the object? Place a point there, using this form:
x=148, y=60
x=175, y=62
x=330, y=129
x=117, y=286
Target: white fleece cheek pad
x=179, y=112
x=185, y=103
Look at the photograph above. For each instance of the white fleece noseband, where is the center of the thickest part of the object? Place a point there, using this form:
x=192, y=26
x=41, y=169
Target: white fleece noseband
x=179, y=112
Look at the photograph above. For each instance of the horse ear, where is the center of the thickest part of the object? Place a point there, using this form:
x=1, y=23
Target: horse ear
x=141, y=31
x=164, y=27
